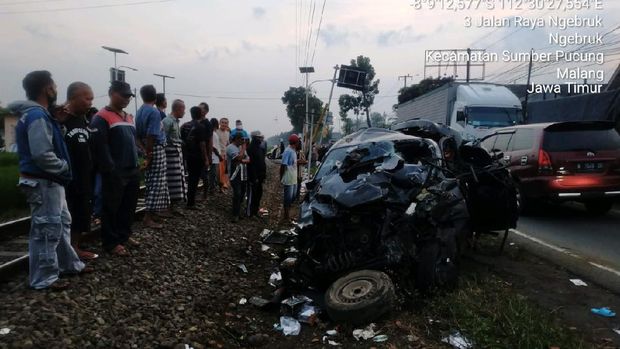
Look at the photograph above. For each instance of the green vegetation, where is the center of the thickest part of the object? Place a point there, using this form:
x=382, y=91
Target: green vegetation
x=13, y=203
x=490, y=314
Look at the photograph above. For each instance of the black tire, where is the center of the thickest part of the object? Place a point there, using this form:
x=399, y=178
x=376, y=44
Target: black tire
x=599, y=207
x=436, y=267
x=360, y=297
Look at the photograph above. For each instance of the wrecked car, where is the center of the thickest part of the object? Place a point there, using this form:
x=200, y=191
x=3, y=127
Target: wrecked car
x=383, y=207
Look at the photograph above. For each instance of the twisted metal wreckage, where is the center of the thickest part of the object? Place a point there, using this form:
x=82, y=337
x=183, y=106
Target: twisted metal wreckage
x=387, y=205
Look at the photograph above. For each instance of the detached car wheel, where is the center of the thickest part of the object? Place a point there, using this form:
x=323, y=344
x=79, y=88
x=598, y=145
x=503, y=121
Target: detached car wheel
x=360, y=297
x=599, y=208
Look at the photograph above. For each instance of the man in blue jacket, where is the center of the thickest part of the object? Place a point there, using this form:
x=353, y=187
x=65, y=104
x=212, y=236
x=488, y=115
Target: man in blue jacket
x=44, y=173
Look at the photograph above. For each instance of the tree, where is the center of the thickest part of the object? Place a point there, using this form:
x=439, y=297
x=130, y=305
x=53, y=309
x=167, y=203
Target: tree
x=360, y=101
x=295, y=100
x=380, y=120
x=408, y=93
x=3, y=113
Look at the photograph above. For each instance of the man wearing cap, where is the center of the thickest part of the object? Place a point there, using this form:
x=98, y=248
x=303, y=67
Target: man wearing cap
x=116, y=158
x=288, y=173
x=152, y=139
x=257, y=172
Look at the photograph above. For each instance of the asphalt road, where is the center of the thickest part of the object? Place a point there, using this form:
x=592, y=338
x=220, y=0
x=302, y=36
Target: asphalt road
x=569, y=226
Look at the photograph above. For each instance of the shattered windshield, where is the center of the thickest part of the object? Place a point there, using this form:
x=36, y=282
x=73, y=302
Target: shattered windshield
x=409, y=151
x=493, y=116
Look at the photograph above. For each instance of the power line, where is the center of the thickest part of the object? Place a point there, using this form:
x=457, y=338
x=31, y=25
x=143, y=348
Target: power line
x=18, y=3
x=316, y=41
x=83, y=7
x=311, y=22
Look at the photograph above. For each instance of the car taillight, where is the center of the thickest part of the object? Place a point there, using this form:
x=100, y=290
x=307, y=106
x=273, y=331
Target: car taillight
x=544, y=162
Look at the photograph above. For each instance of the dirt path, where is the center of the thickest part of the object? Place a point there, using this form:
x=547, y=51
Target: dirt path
x=184, y=284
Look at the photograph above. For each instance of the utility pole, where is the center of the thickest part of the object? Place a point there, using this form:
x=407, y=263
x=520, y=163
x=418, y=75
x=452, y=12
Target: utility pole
x=164, y=77
x=468, y=64
x=307, y=70
x=529, y=77
x=404, y=78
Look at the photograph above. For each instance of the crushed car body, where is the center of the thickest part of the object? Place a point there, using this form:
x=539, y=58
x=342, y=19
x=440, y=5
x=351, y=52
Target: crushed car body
x=383, y=205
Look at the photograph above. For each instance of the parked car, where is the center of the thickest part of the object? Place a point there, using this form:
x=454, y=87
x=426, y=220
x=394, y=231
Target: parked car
x=384, y=205
x=564, y=161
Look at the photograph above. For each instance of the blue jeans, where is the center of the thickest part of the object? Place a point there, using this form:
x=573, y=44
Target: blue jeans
x=290, y=193
x=50, y=232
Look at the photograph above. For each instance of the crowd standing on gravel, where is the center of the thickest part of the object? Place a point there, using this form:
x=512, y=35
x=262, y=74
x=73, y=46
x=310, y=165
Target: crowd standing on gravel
x=78, y=165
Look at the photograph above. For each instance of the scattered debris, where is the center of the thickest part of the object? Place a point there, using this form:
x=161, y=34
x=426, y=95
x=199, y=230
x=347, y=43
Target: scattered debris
x=275, y=279
x=605, y=311
x=293, y=306
x=578, y=282
x=331, y=333
x=243, y=268
x=380, y=338
x=275, y=238
x=289, y=326
x=265, y=233
x=243, y=301
x=288, y=263
x=366, y=333
x=308, y=314
x=458, y=341
x=4, y=331
x=617, y=331
x=264, y=247
x=258, y=302
x=331, y=342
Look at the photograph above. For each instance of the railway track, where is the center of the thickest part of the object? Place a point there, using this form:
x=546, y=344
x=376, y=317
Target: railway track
x=14, y=242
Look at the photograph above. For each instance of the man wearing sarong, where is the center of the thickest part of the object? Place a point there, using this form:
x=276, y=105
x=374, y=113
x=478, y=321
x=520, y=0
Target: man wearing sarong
x=175, y=174
x=152, y=140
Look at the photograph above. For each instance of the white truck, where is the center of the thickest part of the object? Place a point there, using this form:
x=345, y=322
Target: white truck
x=472, y=109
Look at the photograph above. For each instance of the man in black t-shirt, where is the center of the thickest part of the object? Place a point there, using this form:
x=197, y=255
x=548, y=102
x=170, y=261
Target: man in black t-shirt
x=80, y=189
x=195, y=138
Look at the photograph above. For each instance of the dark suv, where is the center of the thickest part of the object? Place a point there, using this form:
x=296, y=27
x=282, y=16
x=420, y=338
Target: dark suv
x=565, y=161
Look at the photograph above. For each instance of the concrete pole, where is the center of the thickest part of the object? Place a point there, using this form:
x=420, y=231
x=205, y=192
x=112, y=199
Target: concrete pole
x=115, y=68
x=307, y=134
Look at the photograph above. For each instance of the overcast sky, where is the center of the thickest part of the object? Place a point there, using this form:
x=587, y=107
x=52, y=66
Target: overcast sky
x=241, y=55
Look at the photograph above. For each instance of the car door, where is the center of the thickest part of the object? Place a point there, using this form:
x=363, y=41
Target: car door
x=520, y=155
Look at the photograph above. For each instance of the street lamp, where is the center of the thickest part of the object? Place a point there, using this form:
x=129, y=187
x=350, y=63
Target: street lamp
x=130, y=68
x=164, y=77
x=135, y=99
x=115, y=51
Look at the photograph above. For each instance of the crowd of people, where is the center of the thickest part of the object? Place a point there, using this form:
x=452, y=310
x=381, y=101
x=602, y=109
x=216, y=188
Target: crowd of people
x=79, y=164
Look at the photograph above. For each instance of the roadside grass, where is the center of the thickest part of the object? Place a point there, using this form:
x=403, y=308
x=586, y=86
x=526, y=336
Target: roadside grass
x=12, y=201
x=492, y=315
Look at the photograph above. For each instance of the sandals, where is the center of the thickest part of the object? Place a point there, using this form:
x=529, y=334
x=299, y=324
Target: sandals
x=86, y=270
x=58, y=285
x=86, y=255
x=119, y=251
x=133, y=242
